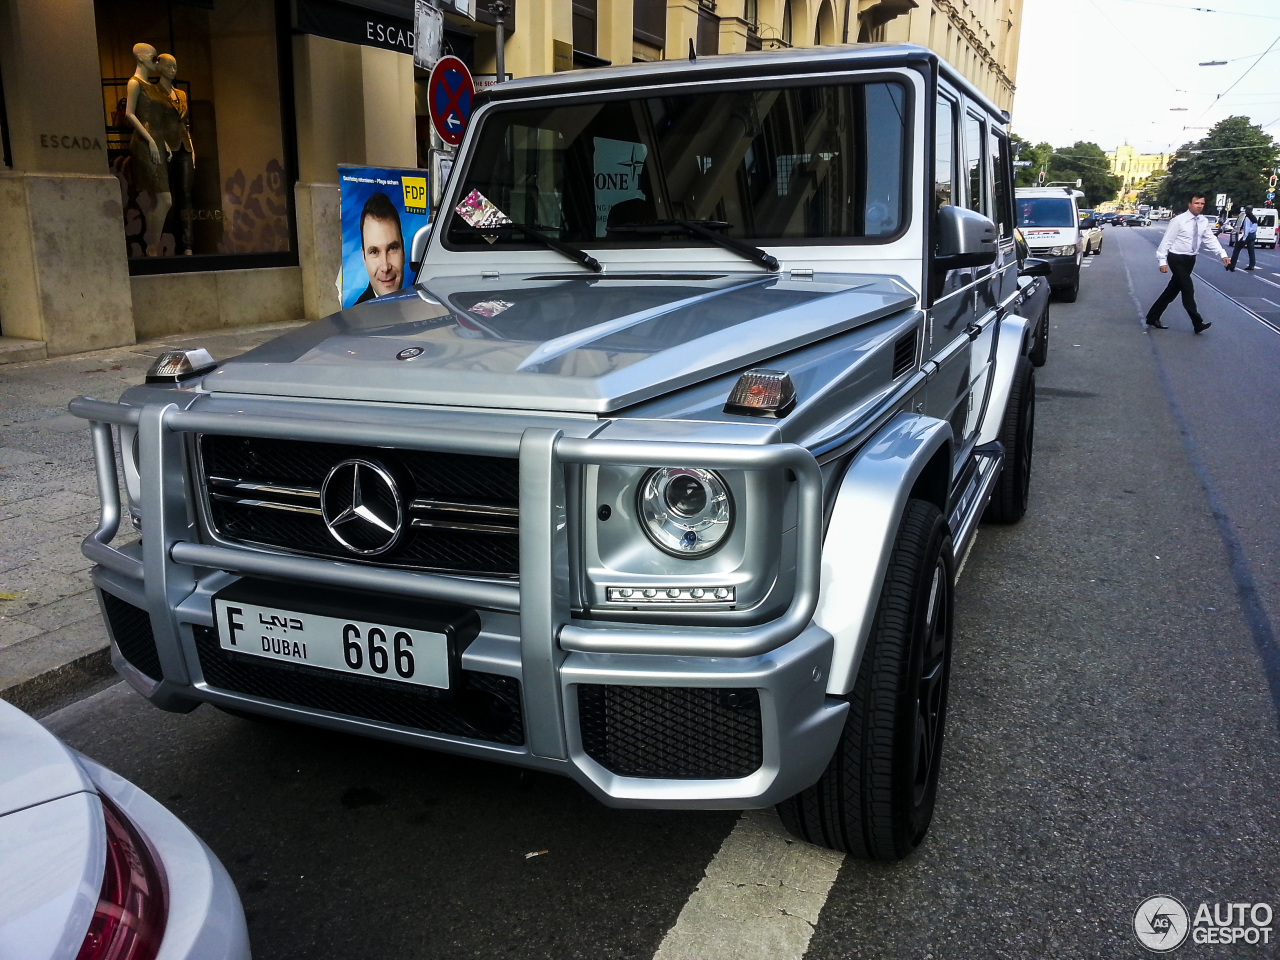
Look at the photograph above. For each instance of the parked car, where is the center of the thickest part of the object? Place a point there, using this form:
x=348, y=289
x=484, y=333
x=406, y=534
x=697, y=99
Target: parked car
x=657, y=477
x=95, y=868
x=1107, y=219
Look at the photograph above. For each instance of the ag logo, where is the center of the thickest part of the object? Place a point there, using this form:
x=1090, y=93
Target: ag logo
x=1161, y=924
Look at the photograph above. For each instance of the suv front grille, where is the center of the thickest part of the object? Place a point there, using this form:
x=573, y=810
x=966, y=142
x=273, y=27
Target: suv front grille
x=672, y=733
x=461, y=512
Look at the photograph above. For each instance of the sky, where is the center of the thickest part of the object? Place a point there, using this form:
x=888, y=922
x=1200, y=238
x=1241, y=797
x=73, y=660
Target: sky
x=1127, y=71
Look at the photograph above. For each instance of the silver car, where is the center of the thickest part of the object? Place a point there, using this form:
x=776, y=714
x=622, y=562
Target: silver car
x=92, y=867
x=658, y=476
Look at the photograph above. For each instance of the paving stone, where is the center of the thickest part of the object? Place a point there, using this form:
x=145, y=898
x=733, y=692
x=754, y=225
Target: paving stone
x=63, y=613
x=13, y=629
x=32, y=585
x=62, y=505
x=12, y=456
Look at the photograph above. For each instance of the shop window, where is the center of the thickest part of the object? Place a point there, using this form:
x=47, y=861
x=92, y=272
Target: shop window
x=216, y=191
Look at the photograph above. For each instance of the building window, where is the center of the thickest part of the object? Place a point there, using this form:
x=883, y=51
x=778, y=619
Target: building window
x=216, y=189
x=786, y=23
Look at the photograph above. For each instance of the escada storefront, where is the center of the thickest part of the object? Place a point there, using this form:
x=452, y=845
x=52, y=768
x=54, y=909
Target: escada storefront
x=171, y=165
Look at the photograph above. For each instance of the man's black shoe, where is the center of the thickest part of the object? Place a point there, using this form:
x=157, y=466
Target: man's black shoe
x=1231, y=269
x=1203, y=326
x=1157, y=324
x=1250, y=268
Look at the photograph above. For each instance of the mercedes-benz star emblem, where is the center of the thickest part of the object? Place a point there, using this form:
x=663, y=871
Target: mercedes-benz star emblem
x=361, y=507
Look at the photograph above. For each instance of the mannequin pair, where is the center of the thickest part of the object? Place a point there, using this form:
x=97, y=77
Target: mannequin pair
x=161, y=143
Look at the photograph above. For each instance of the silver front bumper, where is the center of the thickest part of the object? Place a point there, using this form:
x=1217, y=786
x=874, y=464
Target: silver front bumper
x=528, y=632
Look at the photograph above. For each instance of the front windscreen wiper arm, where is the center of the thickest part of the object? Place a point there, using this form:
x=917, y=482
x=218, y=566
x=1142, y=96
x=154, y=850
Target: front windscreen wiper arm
x=531, y=231
x=700, y=228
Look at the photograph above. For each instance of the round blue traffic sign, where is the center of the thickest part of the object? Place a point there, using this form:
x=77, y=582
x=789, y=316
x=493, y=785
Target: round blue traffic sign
x=450, y=93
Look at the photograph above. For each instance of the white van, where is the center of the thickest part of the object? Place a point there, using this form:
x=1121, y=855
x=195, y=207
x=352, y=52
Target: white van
x=1050, y=221
x=1266, y=217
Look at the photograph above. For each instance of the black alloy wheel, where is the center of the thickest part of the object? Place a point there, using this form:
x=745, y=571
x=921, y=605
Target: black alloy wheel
x=876, y=798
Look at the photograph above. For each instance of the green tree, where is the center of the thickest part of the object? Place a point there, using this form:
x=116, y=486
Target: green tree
x=1234, y=158
x=1038, y=155
x=1087, y=163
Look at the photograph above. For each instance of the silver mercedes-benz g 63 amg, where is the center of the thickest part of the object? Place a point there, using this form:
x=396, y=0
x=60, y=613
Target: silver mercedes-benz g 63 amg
x=657, y=477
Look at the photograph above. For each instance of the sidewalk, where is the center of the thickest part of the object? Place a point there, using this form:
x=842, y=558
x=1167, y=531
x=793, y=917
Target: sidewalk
x=52, y=639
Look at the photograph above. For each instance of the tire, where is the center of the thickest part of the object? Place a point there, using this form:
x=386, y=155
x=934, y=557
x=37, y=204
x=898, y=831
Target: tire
x=1039, y=352
x=877, y=795
x=1017, y=436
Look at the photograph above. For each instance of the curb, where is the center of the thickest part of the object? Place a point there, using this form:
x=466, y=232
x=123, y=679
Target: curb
x=43, y=690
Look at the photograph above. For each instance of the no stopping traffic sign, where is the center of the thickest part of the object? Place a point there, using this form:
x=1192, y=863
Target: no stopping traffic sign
x=450, y=92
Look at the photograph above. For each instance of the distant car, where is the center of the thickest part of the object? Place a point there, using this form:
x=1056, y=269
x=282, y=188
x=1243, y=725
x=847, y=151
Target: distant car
x=1107, y=218
x=1131, y=220
x=97, y=868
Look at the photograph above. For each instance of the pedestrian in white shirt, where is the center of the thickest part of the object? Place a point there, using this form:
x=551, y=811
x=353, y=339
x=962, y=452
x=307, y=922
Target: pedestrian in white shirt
x=1246, y=233
x=1186, y=234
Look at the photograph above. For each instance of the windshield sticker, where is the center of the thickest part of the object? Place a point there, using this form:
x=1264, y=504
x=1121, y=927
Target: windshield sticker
x=489, y=308
x=479, y=211
x=618, y=164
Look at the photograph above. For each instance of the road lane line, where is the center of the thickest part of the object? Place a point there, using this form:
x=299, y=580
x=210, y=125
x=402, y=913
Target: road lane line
x=760, y=898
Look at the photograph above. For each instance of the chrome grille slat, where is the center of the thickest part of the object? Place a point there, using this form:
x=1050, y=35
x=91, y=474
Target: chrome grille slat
x=451, y=506
x=309, y=492
x=266, y=504
x=456, y=525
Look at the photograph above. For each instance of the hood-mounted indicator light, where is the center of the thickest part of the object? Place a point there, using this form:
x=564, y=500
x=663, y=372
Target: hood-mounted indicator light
x=174, y=366
x=762, y=393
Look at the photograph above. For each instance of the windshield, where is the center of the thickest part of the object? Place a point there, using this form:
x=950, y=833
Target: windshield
x=1045, y=212
x=796, y=163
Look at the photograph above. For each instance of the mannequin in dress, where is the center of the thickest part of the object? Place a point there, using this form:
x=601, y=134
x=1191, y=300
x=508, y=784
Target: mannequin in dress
x=145, y=108
x=182, y=153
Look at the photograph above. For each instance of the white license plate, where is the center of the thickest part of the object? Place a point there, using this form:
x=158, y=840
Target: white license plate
x=406, y=654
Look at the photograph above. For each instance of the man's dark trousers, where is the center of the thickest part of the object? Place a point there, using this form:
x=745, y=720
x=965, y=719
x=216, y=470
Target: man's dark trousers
x=1180, y=267
x=1242, y=243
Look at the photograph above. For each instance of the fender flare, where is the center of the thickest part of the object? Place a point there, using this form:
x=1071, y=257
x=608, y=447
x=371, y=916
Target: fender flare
x=1013, y=332
x=864, y=522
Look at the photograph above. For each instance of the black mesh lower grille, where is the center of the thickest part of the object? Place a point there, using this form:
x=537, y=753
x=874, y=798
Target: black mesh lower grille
x=131, y=629
x=483, y=706
x=674, y=733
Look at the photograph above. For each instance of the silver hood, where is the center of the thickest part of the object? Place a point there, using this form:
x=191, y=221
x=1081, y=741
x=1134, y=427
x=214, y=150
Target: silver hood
x=565, y=343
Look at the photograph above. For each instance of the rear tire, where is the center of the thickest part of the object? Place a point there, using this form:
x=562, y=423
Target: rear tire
x=1017, y=436
x=1040, y=349
x=877, y=795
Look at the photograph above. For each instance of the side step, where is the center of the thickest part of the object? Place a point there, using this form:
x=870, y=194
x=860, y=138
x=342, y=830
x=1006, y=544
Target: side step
x=985, y=471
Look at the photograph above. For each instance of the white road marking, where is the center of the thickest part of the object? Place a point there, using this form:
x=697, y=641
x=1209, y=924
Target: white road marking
x=1272, y=282
x=1272, y=302
x=760, y=898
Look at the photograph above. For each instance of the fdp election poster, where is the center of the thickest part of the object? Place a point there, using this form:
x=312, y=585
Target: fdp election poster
x=382, y=208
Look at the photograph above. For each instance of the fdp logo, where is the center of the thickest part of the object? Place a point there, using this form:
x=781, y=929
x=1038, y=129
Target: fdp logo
x=415, y=194
x=1161, y=924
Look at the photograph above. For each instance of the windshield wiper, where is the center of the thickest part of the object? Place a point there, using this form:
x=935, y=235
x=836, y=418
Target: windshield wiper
x=531, y=231
x=700, y=228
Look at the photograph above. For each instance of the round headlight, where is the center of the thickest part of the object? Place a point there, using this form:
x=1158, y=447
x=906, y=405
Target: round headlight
x=685, y=512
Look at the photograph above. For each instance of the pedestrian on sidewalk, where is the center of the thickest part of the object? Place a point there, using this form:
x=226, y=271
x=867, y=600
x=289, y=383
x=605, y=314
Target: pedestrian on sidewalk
x=1185, y=235
x=1246, y=233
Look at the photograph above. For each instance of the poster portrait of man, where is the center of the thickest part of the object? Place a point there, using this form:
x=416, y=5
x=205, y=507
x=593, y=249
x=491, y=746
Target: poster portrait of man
x=381, y=247
x=382, y=209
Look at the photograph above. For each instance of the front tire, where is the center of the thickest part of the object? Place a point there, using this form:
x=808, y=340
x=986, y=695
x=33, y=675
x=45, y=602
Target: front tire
x=1017, y=435
x=876, y=798
x=1069, y=294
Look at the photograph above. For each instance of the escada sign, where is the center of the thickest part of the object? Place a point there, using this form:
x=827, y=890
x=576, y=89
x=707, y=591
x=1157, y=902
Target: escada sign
x=65, y=141
x=353, y=24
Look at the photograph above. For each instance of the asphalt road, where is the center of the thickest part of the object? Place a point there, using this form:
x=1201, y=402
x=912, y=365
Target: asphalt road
x=1115, y=727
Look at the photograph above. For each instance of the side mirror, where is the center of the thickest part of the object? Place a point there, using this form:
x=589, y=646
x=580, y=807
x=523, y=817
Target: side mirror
x=965, y=239
x=1088, y=223
x=418, y=249
x=1035, y=268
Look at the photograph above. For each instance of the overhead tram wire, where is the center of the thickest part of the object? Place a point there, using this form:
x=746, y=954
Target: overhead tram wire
x=1241, y=77
x=1225, y=13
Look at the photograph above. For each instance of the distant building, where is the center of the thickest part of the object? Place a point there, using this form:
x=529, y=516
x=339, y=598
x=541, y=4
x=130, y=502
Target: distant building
x=1135, y=168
